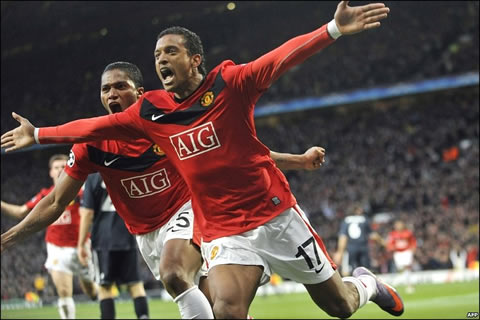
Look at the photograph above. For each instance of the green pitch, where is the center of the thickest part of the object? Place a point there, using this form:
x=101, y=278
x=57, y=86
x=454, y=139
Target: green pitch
x=430, y=301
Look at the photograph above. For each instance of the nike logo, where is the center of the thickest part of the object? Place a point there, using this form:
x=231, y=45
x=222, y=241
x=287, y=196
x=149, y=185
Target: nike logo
x=108, y=163
x=156, y=117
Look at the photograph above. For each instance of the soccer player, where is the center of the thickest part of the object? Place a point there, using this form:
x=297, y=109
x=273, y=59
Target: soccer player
x=249, y=220
x=61, y=238
x=402, y=242
x=147, y=192
x=114, y=249
x=355, y=232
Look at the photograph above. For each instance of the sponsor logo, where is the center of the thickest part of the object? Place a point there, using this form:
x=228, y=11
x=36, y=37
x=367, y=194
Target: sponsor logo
x=108, y=163
x=214, y=252
x=195, y=141
x=147, y=184
x=207, y=98
x=156, y=117
x=157, y=150
x=71, y=159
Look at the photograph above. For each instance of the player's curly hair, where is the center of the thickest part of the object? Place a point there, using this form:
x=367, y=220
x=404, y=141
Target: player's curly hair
x=132, y=71
x=193, y=44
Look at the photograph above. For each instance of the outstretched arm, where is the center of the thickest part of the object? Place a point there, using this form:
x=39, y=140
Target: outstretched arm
x=15, y=211
x=20, y=137
x=312, y=159
x=347, y=20
x=119, y=126
x=45, y=212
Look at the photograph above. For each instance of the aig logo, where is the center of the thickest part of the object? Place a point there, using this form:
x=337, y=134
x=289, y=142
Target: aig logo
x=195, y=141
x=146, y=185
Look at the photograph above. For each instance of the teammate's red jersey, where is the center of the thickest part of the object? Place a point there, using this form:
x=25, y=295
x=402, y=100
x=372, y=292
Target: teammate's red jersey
x=210, y=138
x=401, y=240
x=64, y=231
x=145, y=188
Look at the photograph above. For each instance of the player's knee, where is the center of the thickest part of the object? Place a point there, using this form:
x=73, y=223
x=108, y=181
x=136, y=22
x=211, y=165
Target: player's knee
x=174, y=280
x=223, y=309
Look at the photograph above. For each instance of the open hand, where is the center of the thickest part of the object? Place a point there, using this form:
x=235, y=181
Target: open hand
x=351, y=20
x=20, y=137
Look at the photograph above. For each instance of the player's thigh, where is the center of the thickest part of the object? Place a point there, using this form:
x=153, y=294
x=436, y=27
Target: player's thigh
x=63, y=282
x=181, y=255
x=151, y=245
x=365, y=259
x=233, y=286
x=293, y=249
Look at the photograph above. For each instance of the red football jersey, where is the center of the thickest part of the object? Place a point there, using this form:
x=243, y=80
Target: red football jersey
x=145, y=188
x=401, y=240
x=210, y=138
x=64, y=231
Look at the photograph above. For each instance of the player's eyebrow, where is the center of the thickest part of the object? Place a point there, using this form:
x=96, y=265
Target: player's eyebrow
x=114, y=84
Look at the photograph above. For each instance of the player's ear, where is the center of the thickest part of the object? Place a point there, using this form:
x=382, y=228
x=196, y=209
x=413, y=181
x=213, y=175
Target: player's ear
x=140, y=91
x=196, y=60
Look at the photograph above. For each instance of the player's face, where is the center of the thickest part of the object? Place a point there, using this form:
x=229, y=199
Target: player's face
x=175, y=67
x=118, y=91
x=56, y=169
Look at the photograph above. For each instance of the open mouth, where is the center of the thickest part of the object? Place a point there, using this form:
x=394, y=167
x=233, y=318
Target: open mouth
x=167, y=75
x=115, y=107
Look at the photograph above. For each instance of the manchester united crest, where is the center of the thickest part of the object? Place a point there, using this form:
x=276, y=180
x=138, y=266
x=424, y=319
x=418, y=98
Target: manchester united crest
x=207, y=99
x=214, y=252
x=157, y=150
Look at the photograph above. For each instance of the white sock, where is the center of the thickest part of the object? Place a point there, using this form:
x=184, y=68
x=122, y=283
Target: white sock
x=66, y=308
x=194, y=305
x=365, y=288
x=62, y=309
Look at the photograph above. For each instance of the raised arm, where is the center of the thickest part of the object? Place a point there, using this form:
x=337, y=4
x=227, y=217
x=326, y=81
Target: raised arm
x=312, y=159
x=45, y=212
x=347, y=20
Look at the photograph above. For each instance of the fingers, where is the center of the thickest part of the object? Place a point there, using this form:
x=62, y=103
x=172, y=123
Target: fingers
x=17, y=117
x=372, y=6
x=344, y=4
x=7, y=139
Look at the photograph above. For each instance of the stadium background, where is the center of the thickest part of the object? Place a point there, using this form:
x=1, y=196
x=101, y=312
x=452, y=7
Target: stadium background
x=414, y=156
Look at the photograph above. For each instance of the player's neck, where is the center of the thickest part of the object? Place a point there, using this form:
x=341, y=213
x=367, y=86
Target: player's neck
x=190, y=87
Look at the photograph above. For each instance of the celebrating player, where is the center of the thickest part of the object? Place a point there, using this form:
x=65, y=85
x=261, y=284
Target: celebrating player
x=147, y=192
x=61, y=238
x=249, y=219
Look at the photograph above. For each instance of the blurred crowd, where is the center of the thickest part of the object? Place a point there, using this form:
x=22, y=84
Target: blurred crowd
x=414, y=157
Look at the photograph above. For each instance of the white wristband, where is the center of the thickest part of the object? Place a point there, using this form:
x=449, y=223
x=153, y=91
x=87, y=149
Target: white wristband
x=333, y=29
x=35, y=135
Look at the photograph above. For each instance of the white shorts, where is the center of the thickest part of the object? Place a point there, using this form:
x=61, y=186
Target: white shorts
x=180, y=226
x=286, y=245
x=65, y=259
x=403, y=259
